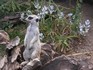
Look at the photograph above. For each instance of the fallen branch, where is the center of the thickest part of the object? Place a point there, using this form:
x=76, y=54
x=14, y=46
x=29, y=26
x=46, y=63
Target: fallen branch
x=77, y=54
x=12, y=17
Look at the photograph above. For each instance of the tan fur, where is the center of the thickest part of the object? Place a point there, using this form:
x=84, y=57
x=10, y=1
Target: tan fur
x=32, y=42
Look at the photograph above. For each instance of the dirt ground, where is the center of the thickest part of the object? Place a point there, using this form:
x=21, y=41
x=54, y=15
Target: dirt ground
x=87, y=13
x=85, y=50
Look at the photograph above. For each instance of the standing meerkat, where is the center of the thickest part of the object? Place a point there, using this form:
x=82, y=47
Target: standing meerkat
x=32, y=42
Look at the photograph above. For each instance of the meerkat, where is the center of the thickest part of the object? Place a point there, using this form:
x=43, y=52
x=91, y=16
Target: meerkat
x=32, y=42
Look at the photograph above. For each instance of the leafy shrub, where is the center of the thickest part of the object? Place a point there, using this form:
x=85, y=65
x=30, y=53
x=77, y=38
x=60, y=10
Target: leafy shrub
x=56, y=26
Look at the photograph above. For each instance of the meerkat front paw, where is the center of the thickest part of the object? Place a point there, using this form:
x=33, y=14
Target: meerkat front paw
x=30, y=47
x=24, y=43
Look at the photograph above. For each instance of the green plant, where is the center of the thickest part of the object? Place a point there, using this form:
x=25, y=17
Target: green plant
x=61, y=31
x=57, y=27
x=2, y=50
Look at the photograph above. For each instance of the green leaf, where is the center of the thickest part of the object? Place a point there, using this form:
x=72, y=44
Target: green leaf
x=66, y=43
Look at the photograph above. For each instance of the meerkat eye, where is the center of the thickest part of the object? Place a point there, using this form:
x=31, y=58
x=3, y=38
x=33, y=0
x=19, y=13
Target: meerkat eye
x=30, y=18
x=37, y=20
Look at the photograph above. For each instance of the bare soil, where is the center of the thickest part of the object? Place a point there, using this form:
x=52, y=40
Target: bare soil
x=87, y=13
x=85, y=49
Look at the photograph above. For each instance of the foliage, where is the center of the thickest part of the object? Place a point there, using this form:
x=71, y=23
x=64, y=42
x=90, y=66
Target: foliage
x=61, y=30
x=57, y=27
x=2, y=50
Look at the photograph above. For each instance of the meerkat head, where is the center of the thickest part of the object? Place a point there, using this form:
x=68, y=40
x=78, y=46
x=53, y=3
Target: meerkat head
x=32, y=19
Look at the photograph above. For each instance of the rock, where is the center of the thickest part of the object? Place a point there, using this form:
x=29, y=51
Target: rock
x=4, y=37
x=27, y=67
x=34, y=67
x=14, y=42
x=3, y=61
x=11, y=66
x=61, y=63
x=47, y=53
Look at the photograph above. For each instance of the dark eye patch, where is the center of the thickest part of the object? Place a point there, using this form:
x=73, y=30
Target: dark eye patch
x=37, y=20
x=30, y=18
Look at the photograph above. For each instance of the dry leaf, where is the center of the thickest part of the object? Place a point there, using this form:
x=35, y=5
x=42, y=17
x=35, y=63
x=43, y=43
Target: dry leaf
x=13, y=43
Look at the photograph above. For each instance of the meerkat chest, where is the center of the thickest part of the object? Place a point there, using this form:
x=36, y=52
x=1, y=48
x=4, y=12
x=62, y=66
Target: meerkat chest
x=32, y=31
x=30, y=34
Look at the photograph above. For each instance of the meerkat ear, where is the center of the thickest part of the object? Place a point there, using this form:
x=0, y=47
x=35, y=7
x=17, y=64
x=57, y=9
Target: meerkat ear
x=37, y=20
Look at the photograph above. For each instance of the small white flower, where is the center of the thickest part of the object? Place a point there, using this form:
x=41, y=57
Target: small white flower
x=70, y=14
x=29, y=12
x=70, y=21
x=46, y=12
x=86, y=31
x=60, y=15
x=22, y=17
x=42, y=14
x=81, y=29
x=39, y=16
x=41, y=36
x=51, y=9
x=45, y=8
x=84, y=28
x=81, y=26
x=36, y=5
x=87, y=23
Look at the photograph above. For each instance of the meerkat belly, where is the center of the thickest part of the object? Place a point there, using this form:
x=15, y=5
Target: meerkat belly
x=36, y=50
x=32, y=53
x=37, y=46
x=27, y=54
x=29, y=38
